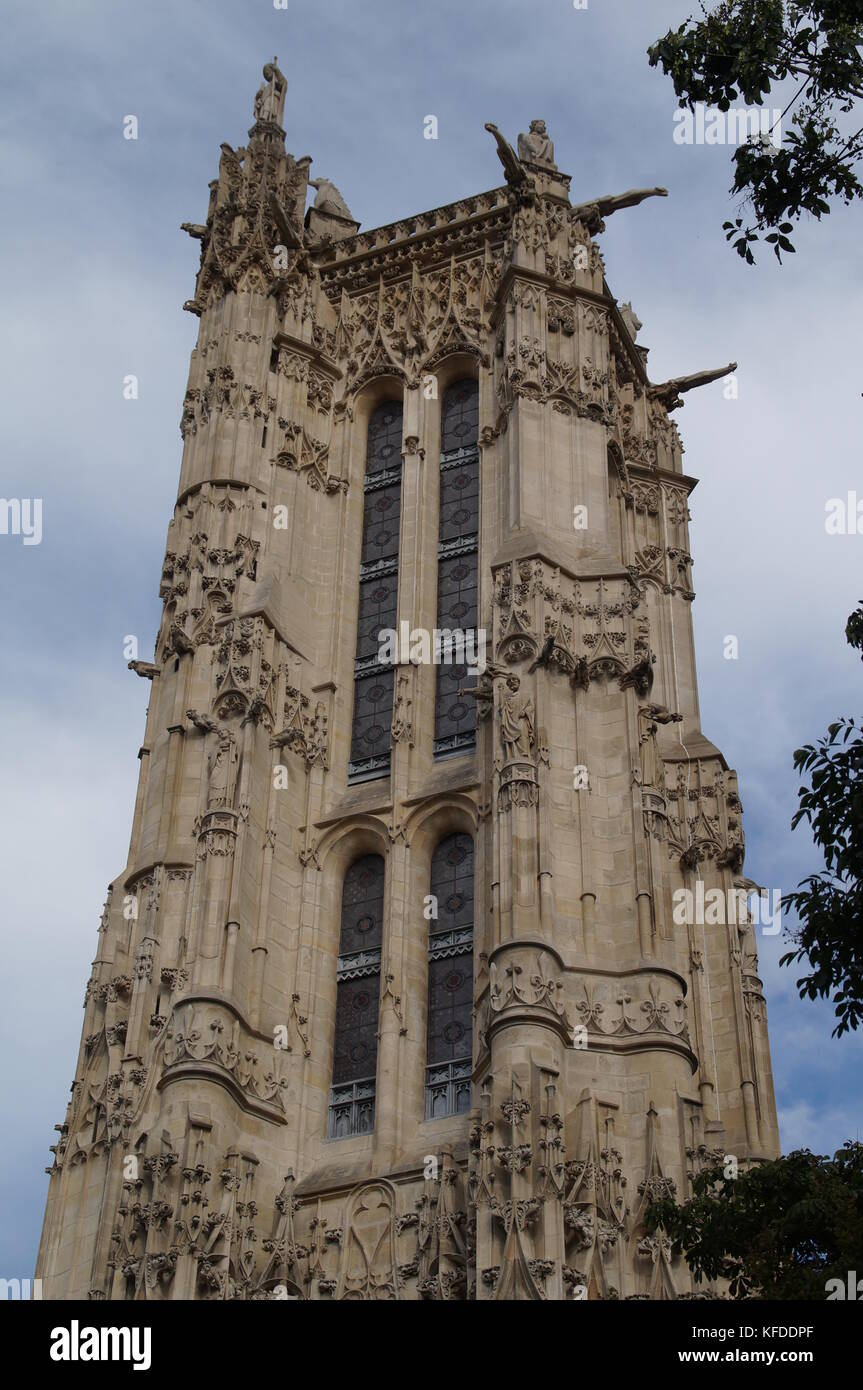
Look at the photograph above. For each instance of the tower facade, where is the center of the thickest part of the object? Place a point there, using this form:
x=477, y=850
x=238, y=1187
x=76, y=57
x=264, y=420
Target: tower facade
x=404, y=991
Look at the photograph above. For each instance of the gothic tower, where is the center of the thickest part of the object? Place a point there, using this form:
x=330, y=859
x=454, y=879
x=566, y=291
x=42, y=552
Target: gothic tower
x=395, y=997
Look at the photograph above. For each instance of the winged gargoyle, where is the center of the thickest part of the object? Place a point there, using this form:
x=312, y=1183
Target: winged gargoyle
x=517, y=176
x=669, y=393
x=594, y=212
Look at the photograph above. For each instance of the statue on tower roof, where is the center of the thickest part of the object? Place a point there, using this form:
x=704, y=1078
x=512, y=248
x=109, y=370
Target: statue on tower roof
x=270, y=96
x=517, y=177
x=631, y=320
x=329, y=200
x=536, y=147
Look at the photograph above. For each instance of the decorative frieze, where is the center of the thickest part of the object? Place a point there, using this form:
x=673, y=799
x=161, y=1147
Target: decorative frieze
x=207, y=1041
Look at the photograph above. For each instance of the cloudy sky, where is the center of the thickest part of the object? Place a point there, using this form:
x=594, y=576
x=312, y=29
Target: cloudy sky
x=96, y=272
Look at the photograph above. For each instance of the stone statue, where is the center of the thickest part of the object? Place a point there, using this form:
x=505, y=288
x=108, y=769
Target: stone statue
x=536, y=147
x=222, y=762
x=221, y=768
x=329, y=201
x=270, y=96
x=198, y=552
x=516, y=721
x=652, y=774
x=631, y=320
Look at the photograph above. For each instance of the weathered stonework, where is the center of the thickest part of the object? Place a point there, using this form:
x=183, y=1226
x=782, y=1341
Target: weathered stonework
x=615, y=1053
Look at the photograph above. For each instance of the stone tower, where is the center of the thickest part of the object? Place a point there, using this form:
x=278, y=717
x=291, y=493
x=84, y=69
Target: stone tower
x=395, y=997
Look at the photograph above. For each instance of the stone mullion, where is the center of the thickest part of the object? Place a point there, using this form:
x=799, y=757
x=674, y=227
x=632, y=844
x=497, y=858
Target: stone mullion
x=484, y=876
x=242, y=436
x=390, y=1122
x=764, y=1080
x=204, y=462
x=343, y=442
x=404, y=1038
x=646, y=868
x=581, y=718
x=428, y=563
x=665, y=689
x=196, y=891
x=312, y=968
x=242, y=452
x=718, y=981
x=234, y=913
x=292, y=373
x=260, y=943
x=109, y=1201
x=548, y=1129
x=503, y=859
x=193, y=437
x=745, y=1059
x=145, y=753
x=628, y=538
x=284, y=490
x=343, y=641
x=300, y=994
x=707, y=1081
x=680, y=643
x=171, y=765
x=414, y=985
x=411, y=572
x=144, y=970
x=216, y=847
x=544, y=859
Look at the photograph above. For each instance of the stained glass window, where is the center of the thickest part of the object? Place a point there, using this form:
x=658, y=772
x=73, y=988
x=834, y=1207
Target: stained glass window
x=450, y=980
x=352, y=1096
x=373, y=680
x=458, y=535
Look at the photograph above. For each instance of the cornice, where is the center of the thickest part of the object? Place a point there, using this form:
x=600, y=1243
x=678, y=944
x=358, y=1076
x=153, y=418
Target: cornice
x=309, y=350
x=546, y=281
x=205, y=1070
x=643, y=473
x=394, y=248
x=536, y=548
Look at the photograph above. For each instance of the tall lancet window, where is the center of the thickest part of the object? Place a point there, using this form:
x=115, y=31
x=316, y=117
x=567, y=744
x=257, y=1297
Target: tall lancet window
x=450, y=1047
x=373, y=679
x=455, y=714
x=355, y=1053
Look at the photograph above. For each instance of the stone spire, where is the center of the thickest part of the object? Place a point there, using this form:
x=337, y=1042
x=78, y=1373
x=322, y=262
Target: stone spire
x=254, y=228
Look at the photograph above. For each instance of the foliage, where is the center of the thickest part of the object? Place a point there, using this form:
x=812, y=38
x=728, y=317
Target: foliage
x=779, y=1230
x=739, y=50
x=829, y=905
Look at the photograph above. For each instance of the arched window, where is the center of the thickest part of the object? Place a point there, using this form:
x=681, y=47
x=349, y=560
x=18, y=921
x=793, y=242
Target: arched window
x=458, y=536
x=352, y=1097
x=373, y=680
x=450, y=998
